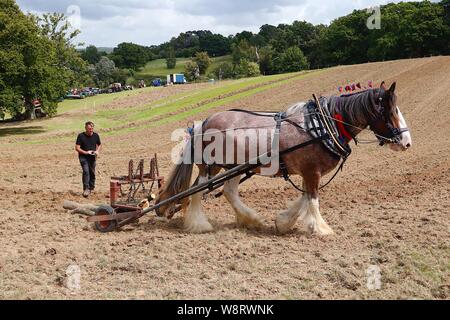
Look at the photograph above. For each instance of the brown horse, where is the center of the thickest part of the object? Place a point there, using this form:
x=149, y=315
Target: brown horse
x=373, y=108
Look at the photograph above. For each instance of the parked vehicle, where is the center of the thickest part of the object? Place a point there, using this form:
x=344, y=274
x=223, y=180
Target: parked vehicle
x=116, y=87
x=76, y=94
x=87, y=92
x=157, y=83
x=176, y=79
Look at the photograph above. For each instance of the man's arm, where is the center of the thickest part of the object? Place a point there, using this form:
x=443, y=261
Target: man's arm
x=79, y=150
x=99, y=148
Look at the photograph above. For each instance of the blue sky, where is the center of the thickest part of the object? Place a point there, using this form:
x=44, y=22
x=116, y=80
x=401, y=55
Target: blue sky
x=107, y=23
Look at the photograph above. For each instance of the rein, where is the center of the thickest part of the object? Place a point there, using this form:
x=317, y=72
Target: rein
x=394, y=134
x=276, y=115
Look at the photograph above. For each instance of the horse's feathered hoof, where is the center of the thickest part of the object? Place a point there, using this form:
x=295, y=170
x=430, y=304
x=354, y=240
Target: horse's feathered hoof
x=249, y=223
x=202, y=227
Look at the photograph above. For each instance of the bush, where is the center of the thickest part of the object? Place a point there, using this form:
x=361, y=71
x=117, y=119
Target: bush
x=171, y=60
x=292, y=60
x=224, y=71
x=121, y=75
x=171, y=63
x=247, y=69
x=191, y=71
x=203, y=61
x=253, y=69
x=266, y=60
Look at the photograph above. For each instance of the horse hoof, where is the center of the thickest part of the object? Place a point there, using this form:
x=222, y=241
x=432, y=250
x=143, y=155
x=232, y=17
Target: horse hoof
x=281, y=229
x=251, y=224
x=283, y=225
x=325, y=231
x=204, y=227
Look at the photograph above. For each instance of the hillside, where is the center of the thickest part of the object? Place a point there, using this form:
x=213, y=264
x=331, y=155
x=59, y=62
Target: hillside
x=158, y=69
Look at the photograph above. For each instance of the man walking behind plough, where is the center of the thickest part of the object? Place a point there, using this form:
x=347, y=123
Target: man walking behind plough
x=88, y=146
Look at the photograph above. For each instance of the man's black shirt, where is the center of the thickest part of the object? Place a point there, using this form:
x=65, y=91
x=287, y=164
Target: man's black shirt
x=88, y=143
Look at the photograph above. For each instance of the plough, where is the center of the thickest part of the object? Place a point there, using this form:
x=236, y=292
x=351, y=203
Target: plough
x=126, y=201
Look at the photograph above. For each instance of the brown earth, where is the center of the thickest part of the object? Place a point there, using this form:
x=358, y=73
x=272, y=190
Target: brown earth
x=388, y=209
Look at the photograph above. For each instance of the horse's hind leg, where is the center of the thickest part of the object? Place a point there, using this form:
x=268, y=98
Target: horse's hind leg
x=245, y=216
x=195, y=220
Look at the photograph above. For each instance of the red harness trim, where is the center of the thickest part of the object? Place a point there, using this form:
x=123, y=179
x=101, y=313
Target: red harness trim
x=342, y=131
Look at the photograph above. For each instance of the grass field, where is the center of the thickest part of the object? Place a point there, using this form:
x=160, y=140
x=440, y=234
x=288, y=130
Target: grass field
x=158, y=69
x=98, y=100
x=141, y=115
x=153, y=69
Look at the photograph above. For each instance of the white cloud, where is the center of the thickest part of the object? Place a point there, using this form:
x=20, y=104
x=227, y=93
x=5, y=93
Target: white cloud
x=109, y=22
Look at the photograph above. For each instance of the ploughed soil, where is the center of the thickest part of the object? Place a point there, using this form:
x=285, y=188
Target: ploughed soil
x=389, y=210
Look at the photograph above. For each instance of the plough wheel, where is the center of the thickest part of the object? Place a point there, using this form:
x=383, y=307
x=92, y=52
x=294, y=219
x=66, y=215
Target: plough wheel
x=105, y=226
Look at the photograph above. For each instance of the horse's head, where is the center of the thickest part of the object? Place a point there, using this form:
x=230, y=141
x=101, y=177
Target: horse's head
x=389, y=124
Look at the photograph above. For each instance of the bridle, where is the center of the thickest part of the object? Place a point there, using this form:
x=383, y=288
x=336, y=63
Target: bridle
x=394, y=134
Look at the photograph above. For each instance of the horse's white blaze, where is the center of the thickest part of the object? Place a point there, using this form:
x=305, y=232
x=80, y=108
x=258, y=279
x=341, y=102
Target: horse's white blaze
x=195, y=220
x=406, y=136
x=286, y=219
x=406, y=141
x=245, y=216
x=314, y=221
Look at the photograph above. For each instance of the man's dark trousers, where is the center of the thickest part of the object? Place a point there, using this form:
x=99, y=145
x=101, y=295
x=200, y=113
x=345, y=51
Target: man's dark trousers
x=88, y=165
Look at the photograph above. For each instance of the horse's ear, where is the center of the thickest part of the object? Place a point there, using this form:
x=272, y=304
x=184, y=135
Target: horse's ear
x=392, y=88
x=383, y=85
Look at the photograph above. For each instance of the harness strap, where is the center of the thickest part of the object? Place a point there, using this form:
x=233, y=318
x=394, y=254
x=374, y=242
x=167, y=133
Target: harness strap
x=257, y=113
x=250, y=173
x=280, y=117
x=328, y=127
x=326, y=184
x=270, y=114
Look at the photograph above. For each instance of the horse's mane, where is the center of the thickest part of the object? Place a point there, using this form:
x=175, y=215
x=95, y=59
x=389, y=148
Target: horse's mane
x=355, y=107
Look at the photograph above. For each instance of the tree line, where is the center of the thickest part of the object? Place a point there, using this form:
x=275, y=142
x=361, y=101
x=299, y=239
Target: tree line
x=408, y=30
x=39, y=60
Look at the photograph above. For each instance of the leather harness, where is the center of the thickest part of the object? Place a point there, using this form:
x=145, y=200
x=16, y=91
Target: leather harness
x=319, y=126
x=324, y=128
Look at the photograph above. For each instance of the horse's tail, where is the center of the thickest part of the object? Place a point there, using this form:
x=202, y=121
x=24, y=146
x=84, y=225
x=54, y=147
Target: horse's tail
x=179, y=180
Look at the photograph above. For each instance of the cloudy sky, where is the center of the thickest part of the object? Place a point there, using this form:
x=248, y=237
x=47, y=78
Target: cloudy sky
x=106, y=23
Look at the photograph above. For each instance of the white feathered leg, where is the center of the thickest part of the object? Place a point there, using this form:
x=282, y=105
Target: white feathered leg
x=245, y=216
x=286, y=219
x=195, y=220
x=313, y=220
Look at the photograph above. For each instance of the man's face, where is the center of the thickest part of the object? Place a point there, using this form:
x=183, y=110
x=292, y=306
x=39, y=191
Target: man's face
x=89, y=130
